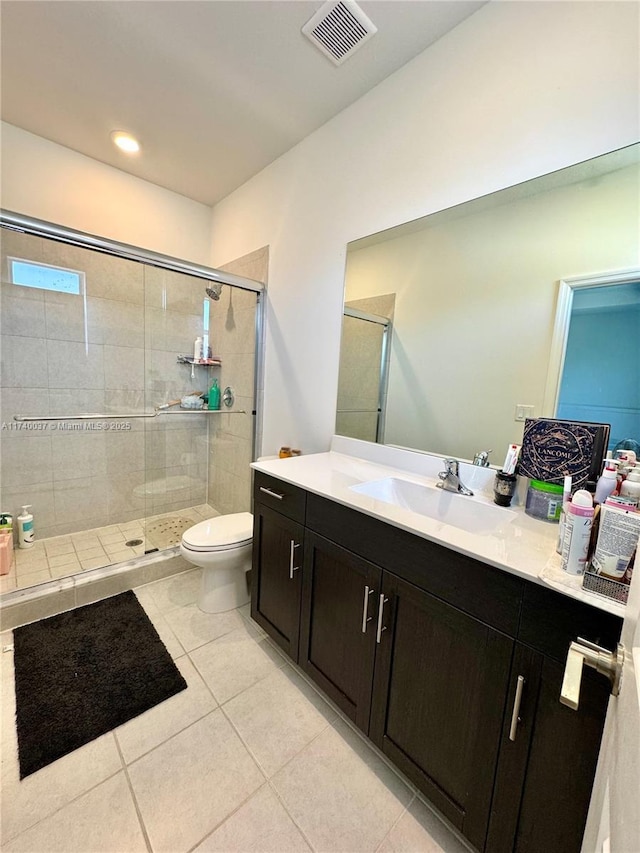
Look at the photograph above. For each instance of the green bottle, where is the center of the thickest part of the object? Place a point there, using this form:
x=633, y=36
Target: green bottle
x=214, y=395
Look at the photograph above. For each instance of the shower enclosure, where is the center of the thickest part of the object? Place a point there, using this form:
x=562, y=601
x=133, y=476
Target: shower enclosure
x=97, y=351
x=363, y=371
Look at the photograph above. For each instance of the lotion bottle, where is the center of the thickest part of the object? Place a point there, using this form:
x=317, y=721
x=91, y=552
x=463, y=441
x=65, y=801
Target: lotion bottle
x=631, y=486
x=26, y=533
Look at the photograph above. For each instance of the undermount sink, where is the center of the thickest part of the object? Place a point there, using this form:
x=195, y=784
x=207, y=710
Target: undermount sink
x=459, y=511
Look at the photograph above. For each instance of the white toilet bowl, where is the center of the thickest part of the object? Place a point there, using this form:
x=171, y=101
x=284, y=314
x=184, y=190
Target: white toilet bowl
x=222, y=547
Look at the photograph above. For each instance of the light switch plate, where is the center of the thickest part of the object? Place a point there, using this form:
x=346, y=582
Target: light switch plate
x=524, y=411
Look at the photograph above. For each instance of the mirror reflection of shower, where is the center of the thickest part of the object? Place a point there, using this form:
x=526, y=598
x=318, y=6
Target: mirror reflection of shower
x=214, y=292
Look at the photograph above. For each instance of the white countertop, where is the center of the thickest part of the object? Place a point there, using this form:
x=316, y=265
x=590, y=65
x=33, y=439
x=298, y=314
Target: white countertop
x=522, y=546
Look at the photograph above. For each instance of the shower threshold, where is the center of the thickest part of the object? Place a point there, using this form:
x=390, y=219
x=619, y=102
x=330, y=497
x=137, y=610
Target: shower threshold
x=76, y=553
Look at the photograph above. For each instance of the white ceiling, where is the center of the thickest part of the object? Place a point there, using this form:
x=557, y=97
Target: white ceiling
x=214, y=90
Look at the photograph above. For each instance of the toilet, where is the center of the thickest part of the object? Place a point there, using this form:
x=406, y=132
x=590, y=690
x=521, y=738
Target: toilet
x=222, y=547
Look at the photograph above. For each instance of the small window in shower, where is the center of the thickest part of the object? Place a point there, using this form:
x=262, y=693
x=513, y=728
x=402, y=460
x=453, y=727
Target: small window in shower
x=45, y=276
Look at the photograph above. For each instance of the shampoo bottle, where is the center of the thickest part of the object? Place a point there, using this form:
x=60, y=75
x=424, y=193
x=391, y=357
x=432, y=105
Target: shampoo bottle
x=26, y=533
x=214, y=395
x=577, y=533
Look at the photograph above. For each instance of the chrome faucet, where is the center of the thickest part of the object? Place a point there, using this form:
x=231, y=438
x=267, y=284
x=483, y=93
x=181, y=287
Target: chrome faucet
x=451, y=479
x=482, y=458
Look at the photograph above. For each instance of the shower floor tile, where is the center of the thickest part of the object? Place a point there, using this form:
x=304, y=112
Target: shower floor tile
x=60, y=556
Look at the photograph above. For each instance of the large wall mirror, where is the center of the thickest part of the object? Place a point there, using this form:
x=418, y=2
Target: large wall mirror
x=460, y=325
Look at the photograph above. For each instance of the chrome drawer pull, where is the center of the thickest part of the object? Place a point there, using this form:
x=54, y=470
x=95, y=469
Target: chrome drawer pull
x=293, y=568
x=381, y=605
x=515, y=718
x=365, y=609
x=270, y=493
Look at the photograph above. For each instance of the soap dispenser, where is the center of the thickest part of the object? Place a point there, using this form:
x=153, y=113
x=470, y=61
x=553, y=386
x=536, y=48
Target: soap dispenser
x=26, y=533
x=214, y=395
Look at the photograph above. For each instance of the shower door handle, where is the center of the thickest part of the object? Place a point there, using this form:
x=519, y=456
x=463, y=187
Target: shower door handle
x=292, y=555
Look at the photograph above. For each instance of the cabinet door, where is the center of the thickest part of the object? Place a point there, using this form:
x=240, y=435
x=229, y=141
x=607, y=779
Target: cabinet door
x=440, y=688
x=340, y=594
x=277, y=576
x=545, y=774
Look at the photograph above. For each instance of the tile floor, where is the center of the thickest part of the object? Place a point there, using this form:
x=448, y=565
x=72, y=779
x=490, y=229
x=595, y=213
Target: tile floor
x=61, y=556
x=249, y=758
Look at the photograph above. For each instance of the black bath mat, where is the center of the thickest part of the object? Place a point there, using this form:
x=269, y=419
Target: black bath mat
x=82, y=673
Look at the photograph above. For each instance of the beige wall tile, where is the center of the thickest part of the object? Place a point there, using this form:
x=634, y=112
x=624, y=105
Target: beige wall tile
x=72, y=364
x=22, y=316
x=24, y=362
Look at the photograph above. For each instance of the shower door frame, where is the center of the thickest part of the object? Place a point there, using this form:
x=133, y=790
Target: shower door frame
x=385, y=352
x=41, y=228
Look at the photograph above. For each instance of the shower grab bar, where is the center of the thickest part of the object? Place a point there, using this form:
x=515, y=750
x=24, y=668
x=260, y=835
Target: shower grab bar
x=92, y=417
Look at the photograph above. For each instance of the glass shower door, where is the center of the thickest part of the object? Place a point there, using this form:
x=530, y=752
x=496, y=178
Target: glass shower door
x=177, y=441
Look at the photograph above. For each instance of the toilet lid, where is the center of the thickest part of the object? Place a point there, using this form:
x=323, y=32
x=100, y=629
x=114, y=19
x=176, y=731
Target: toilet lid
x=216, y=534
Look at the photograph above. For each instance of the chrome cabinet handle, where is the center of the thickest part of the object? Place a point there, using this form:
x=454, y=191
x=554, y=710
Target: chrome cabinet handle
x=515, y=714
x=270, y=493
x=365, y=609
x=381, y=628
x=293, y=568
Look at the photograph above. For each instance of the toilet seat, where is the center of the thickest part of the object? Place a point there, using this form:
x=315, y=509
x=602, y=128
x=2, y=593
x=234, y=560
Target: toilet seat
x=223, y=533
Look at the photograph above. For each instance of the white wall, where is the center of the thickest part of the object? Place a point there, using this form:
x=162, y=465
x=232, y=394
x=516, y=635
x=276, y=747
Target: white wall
x=48, y=181
x=517, y=90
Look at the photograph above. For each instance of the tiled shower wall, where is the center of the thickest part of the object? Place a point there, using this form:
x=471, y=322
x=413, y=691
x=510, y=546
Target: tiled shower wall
x=110, y=350
x=234, y=339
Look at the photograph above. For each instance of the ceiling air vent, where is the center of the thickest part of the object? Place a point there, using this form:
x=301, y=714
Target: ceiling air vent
x=338, y=29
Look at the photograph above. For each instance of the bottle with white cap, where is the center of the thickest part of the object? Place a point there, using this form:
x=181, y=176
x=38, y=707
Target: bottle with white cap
x=577, y=534
x=26, y=533
x=607, y=482
x=630, y=487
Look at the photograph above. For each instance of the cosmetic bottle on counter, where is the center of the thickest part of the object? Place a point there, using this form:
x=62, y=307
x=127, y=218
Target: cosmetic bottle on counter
x=608, y=481
x=577, y=533
x=566, y=500
x=630, y=488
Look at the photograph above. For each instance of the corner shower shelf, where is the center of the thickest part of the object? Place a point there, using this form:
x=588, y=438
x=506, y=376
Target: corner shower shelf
x=203, y=362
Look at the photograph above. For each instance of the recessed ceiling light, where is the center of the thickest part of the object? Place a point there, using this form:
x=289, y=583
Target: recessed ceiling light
x=125, y=141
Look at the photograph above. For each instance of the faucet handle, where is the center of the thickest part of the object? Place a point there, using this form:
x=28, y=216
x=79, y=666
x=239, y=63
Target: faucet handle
x=451, y=466
x=482, y=458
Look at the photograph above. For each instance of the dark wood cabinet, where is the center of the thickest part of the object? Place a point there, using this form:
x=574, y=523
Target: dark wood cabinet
x=276, y=580
x=424, y=649
x=548, y=758
x=441, y=680
x=340, y=595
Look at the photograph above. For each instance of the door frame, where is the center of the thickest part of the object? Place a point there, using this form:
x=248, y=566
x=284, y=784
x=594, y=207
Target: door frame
x=567, y=286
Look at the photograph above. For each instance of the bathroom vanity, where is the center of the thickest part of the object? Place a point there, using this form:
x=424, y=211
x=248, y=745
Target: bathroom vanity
x=440, y=642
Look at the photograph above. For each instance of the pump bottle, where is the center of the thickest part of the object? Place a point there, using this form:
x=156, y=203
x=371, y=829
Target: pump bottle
x=26, y=533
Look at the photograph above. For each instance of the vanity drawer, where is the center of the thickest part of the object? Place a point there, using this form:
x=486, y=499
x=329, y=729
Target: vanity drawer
x=282, y=497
